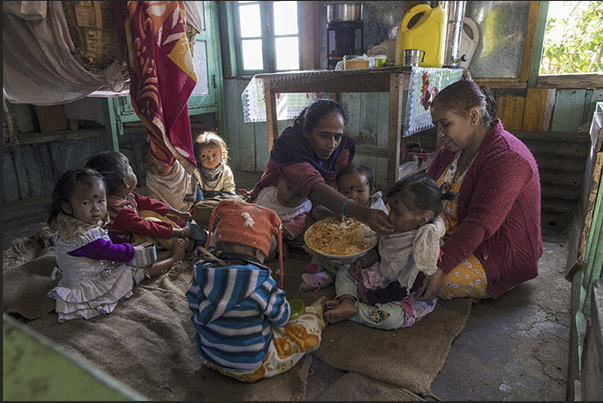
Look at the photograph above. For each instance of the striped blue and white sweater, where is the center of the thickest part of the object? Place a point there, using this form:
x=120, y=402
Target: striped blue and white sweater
x=234, y=308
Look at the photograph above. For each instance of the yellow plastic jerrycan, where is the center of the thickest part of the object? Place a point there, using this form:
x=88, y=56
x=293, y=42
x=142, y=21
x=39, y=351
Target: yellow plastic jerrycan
x=428, y=34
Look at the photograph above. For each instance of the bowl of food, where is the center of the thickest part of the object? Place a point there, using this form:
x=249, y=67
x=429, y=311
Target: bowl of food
x=341, y=240
x=144, y=257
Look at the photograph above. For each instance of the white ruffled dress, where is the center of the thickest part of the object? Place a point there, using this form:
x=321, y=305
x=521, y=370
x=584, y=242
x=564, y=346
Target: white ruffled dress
x=90, y=287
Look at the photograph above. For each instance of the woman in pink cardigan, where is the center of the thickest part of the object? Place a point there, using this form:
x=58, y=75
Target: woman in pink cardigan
x=493, y=239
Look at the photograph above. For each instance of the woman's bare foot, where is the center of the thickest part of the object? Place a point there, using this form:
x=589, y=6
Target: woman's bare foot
x=345, y=309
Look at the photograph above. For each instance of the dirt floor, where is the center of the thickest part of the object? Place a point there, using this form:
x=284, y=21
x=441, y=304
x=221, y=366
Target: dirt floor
x=513, y=348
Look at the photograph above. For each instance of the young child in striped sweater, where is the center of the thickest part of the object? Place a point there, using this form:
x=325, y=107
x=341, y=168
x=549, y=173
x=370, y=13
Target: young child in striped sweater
x=243, y=321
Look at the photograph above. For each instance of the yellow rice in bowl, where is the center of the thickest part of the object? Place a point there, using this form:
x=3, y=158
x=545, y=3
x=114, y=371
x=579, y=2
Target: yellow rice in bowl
x=334, y=238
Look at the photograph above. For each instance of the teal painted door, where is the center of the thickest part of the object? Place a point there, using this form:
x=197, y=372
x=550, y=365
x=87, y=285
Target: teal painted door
x=207, y=96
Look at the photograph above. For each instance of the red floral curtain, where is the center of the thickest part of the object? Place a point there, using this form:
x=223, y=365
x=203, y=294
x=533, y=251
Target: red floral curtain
x=162, y=75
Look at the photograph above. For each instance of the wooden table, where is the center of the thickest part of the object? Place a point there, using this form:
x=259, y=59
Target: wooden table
x=394, y=80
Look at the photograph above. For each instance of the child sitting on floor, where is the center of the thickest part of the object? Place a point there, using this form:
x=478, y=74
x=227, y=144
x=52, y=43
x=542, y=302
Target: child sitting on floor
x=211, y=154
x=95, y=272
x=217, y=180
x=171, y=185
x=241, y=317
x=135, y=218
x=356, y=182
x=291, y=207
x=378, y=290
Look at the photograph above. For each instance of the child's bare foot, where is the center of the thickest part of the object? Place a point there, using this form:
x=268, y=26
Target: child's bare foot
x=331, y=304
x=320, y=302
x=345, y=310
x=190, y=245
x=179, y=248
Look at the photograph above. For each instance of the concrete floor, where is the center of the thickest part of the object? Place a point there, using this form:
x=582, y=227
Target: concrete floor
x=513, y=348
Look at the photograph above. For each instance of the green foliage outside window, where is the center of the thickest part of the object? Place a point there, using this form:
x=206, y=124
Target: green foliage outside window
x=574, y=38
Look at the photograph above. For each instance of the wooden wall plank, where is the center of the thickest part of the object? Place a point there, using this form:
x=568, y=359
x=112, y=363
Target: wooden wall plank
x=246, y=133
x=380, y=173
x=369, y=113
x=10, y=184
x=262, y=149
x=21, y=174
x=548, y=110
x=383, y=120
x=351, y=101
x=33, y=171
x=535, y=107
x=569, y=110
x=59, y=156
x=511, y=111
x=234, y=121
x=47, y=174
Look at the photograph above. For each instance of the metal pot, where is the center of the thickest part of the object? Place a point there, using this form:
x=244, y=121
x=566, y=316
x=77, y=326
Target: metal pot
x=144, y=257
x=344, y=12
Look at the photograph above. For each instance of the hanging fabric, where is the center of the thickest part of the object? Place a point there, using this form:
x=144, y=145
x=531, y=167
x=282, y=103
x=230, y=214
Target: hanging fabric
x=162, y=75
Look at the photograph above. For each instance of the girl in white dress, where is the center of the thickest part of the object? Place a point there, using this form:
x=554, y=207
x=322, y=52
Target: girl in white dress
x=96, y=273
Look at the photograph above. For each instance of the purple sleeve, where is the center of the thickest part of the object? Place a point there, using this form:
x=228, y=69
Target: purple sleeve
x=102, y=249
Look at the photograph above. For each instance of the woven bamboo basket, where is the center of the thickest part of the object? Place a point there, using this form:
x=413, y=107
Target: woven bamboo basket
x=94, y=33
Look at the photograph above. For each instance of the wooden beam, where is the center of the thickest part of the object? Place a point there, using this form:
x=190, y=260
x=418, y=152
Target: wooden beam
x=500, y=82
x=398, y=82
x=538, y=43
x=591, y=81
x=311, y=33
x=529, y=44
x=271, y=116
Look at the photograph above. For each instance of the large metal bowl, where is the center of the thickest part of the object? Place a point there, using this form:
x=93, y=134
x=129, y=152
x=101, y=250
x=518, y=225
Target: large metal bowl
x=311, y=233
x=144, y=257
x=344, y=12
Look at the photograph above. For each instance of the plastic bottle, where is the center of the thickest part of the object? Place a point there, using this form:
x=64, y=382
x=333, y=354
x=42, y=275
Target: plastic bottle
x=428, y=34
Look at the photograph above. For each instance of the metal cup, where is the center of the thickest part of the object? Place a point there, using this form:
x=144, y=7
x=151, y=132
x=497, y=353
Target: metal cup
x=412, y=57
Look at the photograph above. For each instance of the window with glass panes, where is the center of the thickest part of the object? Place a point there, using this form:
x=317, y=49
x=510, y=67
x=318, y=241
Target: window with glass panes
x=267, y=36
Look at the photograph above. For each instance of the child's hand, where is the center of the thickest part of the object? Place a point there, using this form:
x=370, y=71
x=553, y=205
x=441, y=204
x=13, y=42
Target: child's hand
x=355, y=268
x=321, y=212
x=185, y=216
x=186, y=232
x=142, y=246
x=246, y=194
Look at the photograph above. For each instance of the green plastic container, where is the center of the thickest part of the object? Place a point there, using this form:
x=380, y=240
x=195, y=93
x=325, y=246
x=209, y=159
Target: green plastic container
x=298, y=308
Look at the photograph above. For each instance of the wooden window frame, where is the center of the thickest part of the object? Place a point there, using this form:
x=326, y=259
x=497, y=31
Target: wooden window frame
x=267, y=36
